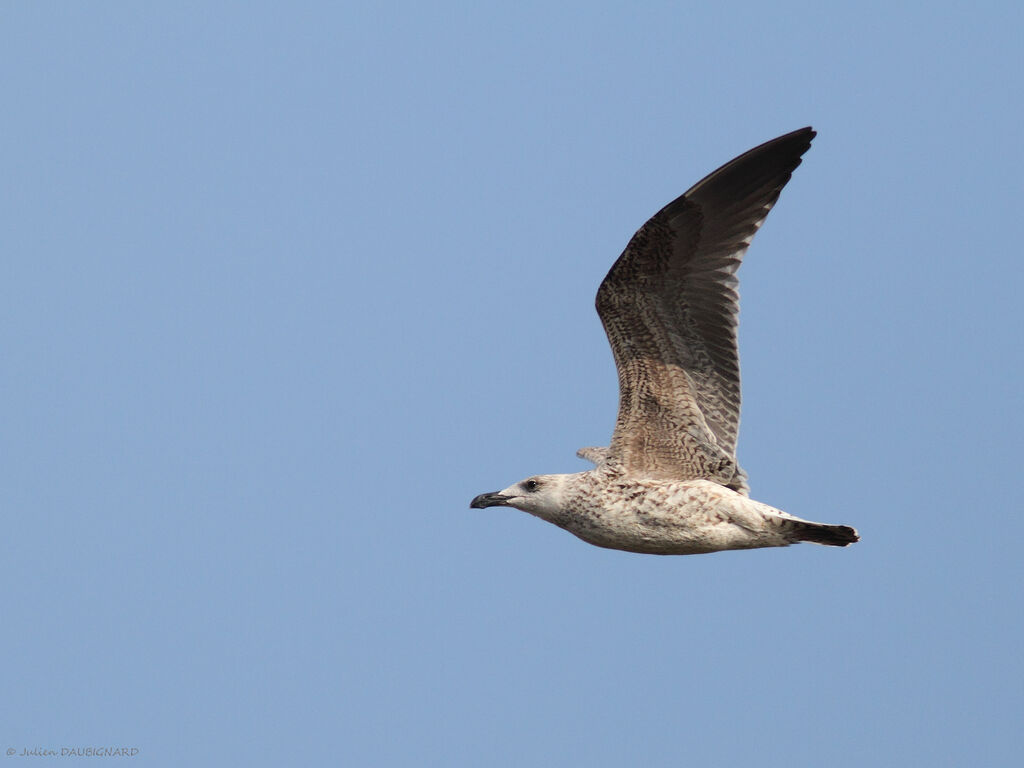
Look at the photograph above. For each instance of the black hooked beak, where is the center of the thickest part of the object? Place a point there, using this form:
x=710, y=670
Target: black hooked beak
x=489, y=500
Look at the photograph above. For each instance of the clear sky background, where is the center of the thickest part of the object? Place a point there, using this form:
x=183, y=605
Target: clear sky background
x=285, y=285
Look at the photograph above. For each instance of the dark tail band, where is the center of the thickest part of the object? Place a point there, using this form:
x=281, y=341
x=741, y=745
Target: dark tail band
x=830, y=535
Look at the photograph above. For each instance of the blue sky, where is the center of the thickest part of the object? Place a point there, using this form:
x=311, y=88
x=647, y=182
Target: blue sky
x=286, y=285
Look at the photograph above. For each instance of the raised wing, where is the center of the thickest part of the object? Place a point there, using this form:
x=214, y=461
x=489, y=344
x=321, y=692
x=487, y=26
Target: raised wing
x=670, y=308
x=593, y=454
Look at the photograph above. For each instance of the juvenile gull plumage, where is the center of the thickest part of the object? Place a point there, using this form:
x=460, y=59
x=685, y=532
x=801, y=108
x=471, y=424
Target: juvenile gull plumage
x=669, y=483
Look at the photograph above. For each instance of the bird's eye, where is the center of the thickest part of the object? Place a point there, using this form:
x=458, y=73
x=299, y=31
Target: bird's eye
x=531, y=485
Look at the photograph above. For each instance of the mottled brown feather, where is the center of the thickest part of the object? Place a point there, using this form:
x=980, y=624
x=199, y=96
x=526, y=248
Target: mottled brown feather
x=670, y=308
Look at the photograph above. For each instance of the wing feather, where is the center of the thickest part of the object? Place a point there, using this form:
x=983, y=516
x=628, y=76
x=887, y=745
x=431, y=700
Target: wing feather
x=670, y=308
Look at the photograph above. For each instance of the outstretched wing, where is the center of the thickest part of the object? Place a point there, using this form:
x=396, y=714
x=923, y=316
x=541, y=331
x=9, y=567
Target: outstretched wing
x=670, y=308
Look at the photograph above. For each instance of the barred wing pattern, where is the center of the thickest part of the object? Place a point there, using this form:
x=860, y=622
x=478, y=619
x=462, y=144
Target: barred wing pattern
x=670, y=308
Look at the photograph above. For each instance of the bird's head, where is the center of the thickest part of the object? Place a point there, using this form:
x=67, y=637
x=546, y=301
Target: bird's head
x=540, y=495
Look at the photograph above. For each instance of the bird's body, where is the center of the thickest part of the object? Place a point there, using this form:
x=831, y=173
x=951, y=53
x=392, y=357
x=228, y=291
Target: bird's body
x=669, y=482
x=608, y=508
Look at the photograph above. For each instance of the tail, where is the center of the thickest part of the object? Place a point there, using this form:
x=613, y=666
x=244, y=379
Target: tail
x=830, y=535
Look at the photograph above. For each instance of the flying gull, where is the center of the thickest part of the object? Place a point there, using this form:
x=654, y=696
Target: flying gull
x=669, y=483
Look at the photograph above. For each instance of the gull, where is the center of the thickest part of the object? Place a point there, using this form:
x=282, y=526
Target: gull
x=669, y=483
